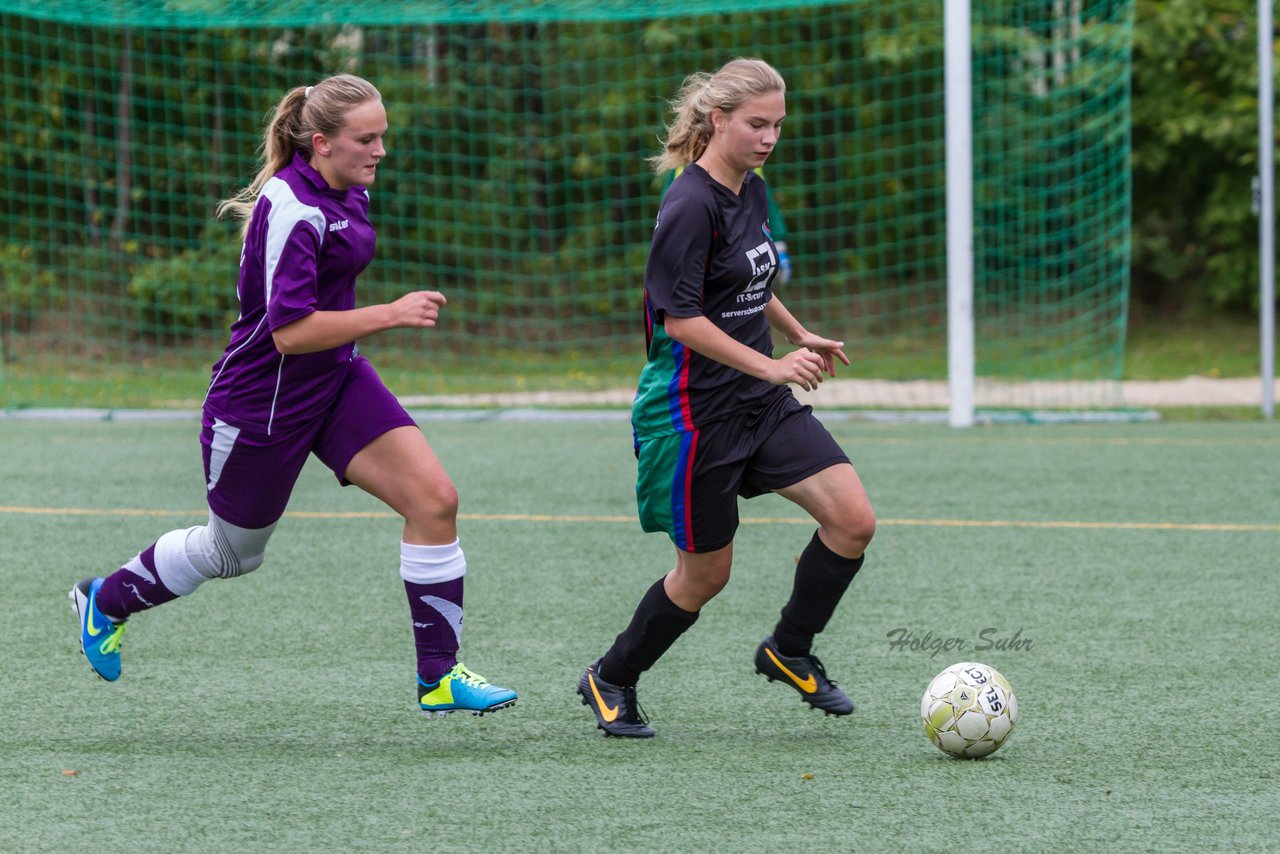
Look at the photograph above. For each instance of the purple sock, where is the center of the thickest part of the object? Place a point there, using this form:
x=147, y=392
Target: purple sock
x=134, y=587
x=437, y=626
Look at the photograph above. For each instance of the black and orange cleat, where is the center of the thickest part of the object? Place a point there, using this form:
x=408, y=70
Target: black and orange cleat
x=804, y=673
x=616, y=708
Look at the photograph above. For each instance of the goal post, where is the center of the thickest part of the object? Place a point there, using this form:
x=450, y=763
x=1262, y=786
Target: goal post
x=959, y=213
x=1266, y=210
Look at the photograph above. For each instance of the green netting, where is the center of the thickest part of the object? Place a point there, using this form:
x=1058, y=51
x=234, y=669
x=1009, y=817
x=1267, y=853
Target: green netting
x=517, y=184
x=1052, y=190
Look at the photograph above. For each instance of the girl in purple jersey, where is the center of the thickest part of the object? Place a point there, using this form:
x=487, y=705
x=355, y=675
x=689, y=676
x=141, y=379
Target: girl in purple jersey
x=714, y=418
x=292, y=383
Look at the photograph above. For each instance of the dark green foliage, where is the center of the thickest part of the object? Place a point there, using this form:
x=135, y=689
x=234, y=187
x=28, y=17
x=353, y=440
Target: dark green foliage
x=188, y=291
x=1195, y=152
x=24, y=285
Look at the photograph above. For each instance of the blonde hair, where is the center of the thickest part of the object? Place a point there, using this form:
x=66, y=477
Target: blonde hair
x=302, y=113
x=700, y=95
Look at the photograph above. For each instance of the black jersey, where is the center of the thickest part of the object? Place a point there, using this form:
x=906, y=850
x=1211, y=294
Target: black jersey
x=711, y=255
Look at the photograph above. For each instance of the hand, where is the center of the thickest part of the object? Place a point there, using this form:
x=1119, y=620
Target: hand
x=802, y=367
x=418, y=309
x=824, y=348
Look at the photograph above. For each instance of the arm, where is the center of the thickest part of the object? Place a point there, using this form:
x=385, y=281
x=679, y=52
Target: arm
x=323, y=330
x=782, y=320
x=802, y=367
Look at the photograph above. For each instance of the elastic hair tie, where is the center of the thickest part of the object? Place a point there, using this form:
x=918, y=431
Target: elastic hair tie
x=307, y=94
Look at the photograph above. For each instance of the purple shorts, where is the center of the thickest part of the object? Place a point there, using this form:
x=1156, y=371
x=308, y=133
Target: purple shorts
x=250, y=476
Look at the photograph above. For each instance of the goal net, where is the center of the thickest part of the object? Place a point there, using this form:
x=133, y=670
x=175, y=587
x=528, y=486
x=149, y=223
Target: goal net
x=516, y=183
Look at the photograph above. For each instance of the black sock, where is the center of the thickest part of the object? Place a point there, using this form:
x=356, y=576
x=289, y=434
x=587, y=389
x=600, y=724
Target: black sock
x=822, y=576
x=656, y=625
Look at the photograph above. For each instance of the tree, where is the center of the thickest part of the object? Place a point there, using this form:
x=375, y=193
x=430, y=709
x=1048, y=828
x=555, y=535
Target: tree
x=1194, y=154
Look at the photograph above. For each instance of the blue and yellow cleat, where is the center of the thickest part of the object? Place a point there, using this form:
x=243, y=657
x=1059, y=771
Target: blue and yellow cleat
x=462, y=690
x=99, y=636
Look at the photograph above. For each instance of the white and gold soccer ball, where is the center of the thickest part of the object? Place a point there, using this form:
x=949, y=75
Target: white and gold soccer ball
x=969, y=710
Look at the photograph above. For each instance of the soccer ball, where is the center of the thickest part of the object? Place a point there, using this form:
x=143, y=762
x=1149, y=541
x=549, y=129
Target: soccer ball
x=969, y=710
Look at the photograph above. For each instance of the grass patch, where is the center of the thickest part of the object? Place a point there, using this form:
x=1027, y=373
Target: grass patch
x=275, y=712
x=1210, y=413
x=1164, y=348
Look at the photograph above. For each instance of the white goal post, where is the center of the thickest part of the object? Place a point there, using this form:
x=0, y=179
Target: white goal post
x=1266, y=212
x=959, y=165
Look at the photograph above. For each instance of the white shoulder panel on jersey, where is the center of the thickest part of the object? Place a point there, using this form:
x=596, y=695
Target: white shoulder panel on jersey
x=286, y=212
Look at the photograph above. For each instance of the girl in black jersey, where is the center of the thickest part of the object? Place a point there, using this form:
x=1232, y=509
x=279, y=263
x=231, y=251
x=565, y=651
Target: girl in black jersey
x=714, y=417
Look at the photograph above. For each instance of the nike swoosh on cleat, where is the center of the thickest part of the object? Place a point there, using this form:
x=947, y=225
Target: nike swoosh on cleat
x=808, y=685
x=93, y=630
x=608, y=713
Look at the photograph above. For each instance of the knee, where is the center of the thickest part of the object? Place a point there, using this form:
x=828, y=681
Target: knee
x=850, y=533
x=445, y=499
x=435, y=500
x=240, y=551
x=223, y=550
x=705, y=578
x=716, y=579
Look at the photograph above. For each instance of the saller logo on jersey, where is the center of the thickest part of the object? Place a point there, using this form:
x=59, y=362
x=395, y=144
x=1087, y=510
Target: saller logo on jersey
x=339, y=225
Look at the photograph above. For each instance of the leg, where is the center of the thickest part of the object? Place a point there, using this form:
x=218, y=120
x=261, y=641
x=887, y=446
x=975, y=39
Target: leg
x=667, y=610
x=248, y=478
x=837, y=501
x=698, y=577
x=371, y=441
x=179, y=562
x=835, y=498
x=400, y=468
x=173, y=566
x=686, y=487
x=800, y=461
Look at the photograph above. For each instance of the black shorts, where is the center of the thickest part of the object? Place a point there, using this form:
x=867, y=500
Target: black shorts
x=688, y=484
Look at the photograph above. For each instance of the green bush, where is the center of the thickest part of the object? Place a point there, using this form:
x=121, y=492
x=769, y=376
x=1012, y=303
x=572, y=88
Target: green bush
x=25, y=285
x=191, y=291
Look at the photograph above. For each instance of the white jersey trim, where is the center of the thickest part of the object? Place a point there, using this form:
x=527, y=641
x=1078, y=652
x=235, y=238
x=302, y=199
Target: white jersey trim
x=227, y=361
x=286, y=212
x=275, y=395
x=224, y=441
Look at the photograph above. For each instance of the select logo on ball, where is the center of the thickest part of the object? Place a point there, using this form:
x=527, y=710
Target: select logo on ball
x=969, y=710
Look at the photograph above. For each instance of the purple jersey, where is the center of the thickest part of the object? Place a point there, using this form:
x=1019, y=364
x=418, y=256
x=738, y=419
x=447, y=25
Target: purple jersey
x=305, y=245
